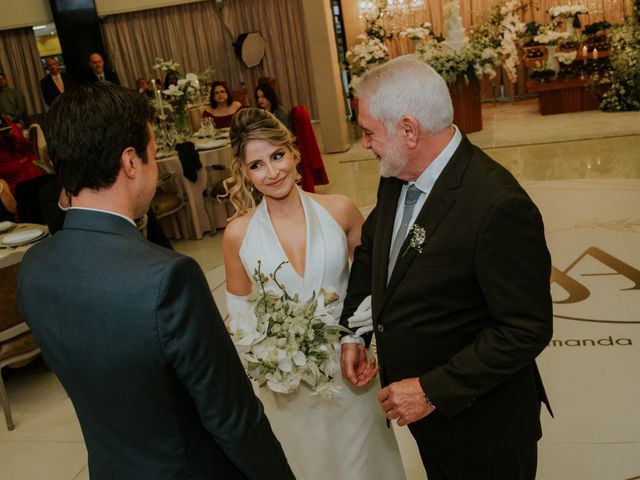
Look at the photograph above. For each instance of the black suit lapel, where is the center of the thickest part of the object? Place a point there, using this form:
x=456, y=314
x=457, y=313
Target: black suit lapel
x=440, y=200
x=386, y=212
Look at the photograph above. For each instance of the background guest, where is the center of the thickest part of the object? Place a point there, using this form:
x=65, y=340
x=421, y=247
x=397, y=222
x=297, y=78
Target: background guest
x=12, y=103
x=143, y=86
x=53, y=84
x=222, y=105
x=169, y=79
x=97, y=71
x=267, y=99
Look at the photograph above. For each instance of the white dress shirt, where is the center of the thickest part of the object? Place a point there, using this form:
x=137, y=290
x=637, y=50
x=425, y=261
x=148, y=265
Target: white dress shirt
x=106, y=211
x=426, y=181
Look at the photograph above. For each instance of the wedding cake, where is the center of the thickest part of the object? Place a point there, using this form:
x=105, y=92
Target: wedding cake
x=455, y=39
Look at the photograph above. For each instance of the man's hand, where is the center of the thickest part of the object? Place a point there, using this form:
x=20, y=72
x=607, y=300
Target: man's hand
x=404, y=401
x=355, y=366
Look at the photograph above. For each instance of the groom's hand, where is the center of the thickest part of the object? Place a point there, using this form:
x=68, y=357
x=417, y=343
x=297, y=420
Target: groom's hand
x=355, y=367
x=405, y=401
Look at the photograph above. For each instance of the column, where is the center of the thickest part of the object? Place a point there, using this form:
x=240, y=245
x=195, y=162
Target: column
x=325, y=70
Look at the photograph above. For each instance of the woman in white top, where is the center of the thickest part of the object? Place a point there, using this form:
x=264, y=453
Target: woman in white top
x=344, y=436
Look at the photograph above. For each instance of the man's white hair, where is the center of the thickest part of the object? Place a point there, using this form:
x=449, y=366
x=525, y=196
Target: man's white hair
x=407, y=86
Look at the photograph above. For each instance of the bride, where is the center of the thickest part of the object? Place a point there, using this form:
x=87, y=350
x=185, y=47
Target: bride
x=344, y=436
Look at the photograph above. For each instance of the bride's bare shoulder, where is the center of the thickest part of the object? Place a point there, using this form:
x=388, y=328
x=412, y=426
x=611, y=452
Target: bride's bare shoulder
x=236, y=229
x=340, y=207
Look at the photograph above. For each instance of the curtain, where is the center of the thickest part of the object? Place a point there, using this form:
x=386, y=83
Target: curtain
x=281, y=24
x=20, y=62
x=193, y=35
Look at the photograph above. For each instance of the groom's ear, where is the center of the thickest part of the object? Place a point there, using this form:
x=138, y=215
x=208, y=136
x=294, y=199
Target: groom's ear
x=410, y=130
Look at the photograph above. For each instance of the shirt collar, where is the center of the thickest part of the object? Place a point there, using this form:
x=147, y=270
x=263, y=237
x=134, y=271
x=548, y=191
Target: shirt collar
x=428, y=177
x=106, y=211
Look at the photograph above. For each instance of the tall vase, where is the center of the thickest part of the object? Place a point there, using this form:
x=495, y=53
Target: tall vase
x=569, y=25
x=552, y=60
x=183, y=126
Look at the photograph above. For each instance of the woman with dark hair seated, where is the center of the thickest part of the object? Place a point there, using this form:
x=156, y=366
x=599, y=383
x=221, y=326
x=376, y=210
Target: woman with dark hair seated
x=171, y=78
x=267, y=99
x=223, y=106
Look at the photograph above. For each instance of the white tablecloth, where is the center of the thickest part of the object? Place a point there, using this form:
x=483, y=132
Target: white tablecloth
x=201, y=221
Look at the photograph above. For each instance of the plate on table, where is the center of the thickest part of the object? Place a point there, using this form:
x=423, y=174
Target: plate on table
x=211, y=144
x=22, y=237
x=6, y=226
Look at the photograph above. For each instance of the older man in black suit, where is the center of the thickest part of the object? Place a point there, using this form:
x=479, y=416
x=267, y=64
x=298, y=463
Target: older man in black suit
x=455, y=260
x=55, y=82
x=129, y=327
x=97, y=71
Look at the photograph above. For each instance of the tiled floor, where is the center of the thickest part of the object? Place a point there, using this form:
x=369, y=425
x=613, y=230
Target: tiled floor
x=583, y=171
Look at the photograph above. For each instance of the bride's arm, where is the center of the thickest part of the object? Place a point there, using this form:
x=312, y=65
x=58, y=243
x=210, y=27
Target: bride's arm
x=238, y=281
x=354, y=221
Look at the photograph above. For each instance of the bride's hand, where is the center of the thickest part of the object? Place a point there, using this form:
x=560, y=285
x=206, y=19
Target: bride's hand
x=355, y=367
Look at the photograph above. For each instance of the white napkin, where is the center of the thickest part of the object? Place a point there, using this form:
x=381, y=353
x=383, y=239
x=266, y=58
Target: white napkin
x=22, y=236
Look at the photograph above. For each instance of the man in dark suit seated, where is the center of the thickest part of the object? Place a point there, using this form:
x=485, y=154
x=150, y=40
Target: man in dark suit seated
x=55, y=82
x=129, y=327
x=455, y=260
x=97, y=71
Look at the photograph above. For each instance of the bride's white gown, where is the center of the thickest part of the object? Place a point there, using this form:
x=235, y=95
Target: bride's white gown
x=344, y=437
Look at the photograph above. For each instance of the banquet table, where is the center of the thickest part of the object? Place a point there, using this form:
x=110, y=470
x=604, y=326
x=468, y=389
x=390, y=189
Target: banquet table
x=201, y=221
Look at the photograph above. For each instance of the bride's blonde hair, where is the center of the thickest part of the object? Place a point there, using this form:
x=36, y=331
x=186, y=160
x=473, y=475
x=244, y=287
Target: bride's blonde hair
x=246, y=125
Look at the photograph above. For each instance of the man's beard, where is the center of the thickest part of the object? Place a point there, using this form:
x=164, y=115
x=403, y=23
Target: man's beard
x=394, y=160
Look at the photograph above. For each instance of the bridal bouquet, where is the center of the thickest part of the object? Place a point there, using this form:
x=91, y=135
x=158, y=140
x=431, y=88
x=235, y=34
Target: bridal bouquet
x=284, y=341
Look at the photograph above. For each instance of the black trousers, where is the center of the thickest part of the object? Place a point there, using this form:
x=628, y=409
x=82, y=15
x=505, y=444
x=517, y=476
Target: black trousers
x=518, y=465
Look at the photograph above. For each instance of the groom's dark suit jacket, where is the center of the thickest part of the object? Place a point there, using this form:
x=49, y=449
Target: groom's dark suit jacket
x=470, y=313
x=132, y=331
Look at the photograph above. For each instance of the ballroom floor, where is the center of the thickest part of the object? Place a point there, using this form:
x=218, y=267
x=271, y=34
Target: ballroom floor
x=583, y=171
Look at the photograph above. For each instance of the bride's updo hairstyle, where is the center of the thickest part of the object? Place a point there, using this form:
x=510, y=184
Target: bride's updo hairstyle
x=252, y=124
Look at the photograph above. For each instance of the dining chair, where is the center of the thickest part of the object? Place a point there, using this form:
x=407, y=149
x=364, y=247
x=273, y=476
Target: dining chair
x=17, y=344
x=169, y=198
x=36, y=137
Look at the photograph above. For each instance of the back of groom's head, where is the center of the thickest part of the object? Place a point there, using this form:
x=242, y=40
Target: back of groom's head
x=87, y=129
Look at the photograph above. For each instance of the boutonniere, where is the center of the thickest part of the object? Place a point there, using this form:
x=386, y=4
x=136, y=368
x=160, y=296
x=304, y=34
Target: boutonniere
x=418, y=237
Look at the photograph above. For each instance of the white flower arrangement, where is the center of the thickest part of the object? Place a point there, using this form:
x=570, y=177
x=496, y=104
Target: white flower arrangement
x=365, y=55
x=449, y=64
x=501, y=30
x=420, y=32
x=550, y=37
x=285, y=342
x=566, y=58
x=567, y=11
x=166, y=65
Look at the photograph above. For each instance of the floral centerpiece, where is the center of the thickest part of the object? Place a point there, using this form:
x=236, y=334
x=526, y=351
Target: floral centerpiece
x=284, y=341
x=569, y=13
x=549, y=36
x=421, y=32
x=449, y=64
x=365, y=55
x=179, y=94
x=497, y=38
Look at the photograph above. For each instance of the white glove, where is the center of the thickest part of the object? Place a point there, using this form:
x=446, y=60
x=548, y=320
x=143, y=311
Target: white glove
x=362, y=318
